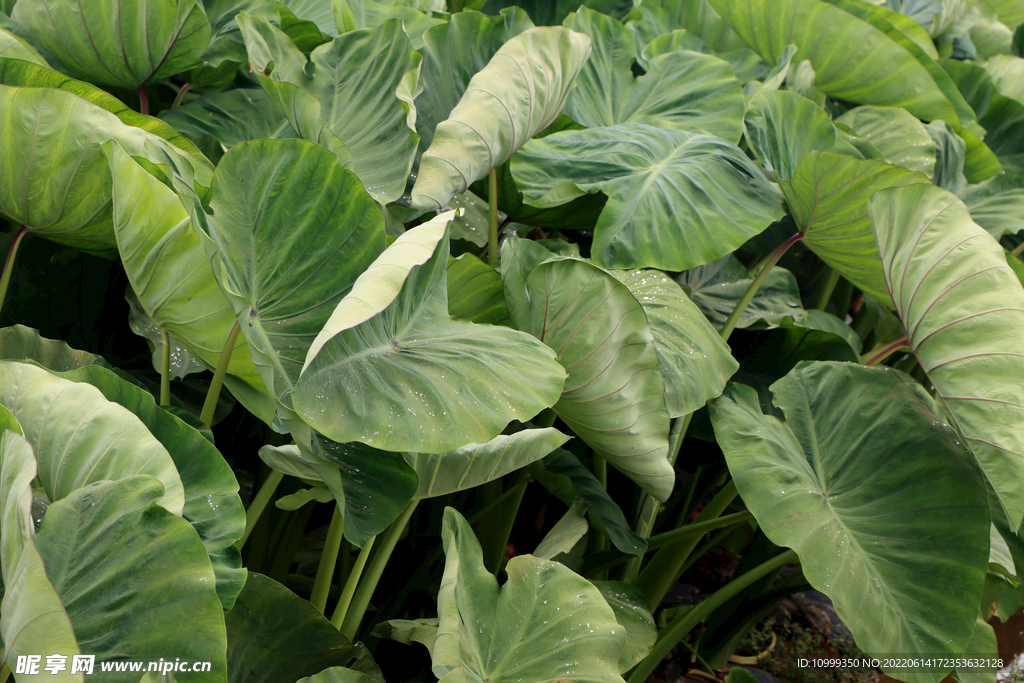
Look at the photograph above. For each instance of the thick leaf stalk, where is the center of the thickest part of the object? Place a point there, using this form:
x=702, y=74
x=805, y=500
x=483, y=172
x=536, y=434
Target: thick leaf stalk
x=12, y=254
x=762, y=275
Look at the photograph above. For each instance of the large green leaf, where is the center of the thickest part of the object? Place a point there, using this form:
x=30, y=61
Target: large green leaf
x=479, y=463
x=212, y=504
x=54, y=179
x=452, y=54
x=112, y=555
x=283, y=252
x=876, y=495
x=80, y=438
x=692, y=357
x=274, y=636
x=34, y=620
x=997, y=204
x=23, y=343
x=353, y=95
x=614, y=397
x=231, y=117
x=963, y=309
x=681, y=89
x=1001, y=116
x=896, y=134
x=391, y=369
x=845, y=52
x=13, y=47
x=226, y=51
x=565, y=477
x=828, y=197
x=543, y=624
x=119, y=43
x=675, y=199
x=518, y=94
x=169, y=271
x=16, y=72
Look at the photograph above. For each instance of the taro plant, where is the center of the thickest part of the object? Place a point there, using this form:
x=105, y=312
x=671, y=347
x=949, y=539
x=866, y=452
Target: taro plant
x=413, y=340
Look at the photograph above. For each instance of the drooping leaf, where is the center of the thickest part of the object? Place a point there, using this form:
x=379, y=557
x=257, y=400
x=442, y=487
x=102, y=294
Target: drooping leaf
x=80, y=438
x=353, y=95
x=409, y=631
x=997, y=204
x=692, y=357
x=614, y=395
x=476, y=464
x=518, y=94
x=566, y=533
x=676, y=199
x=717, y=287
x=54, y=179
x=452, y=54
x=274, y=635
x=475, y=293
x=182, y=363
x=681, y=89
x=376, y=486
x=633, y=613
x=34, y=619
x=142, y=41
x=231, y=117
x=969, y=346
x=897, y=135
x=844, y=51
x=482, y=627
x=565, y=477
x=449, y=382
x=169, y=271
x=283, y=252
x=876, y=495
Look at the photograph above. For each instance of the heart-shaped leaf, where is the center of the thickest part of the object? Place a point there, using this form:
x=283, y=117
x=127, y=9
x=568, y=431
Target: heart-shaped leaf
x=284, y=253
x=675, y=199
x=970, y=346
x=877, y=496
x=449, y=382
x=144, y=41
x=681, y=89
x=518, y=94
x=544, y=623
